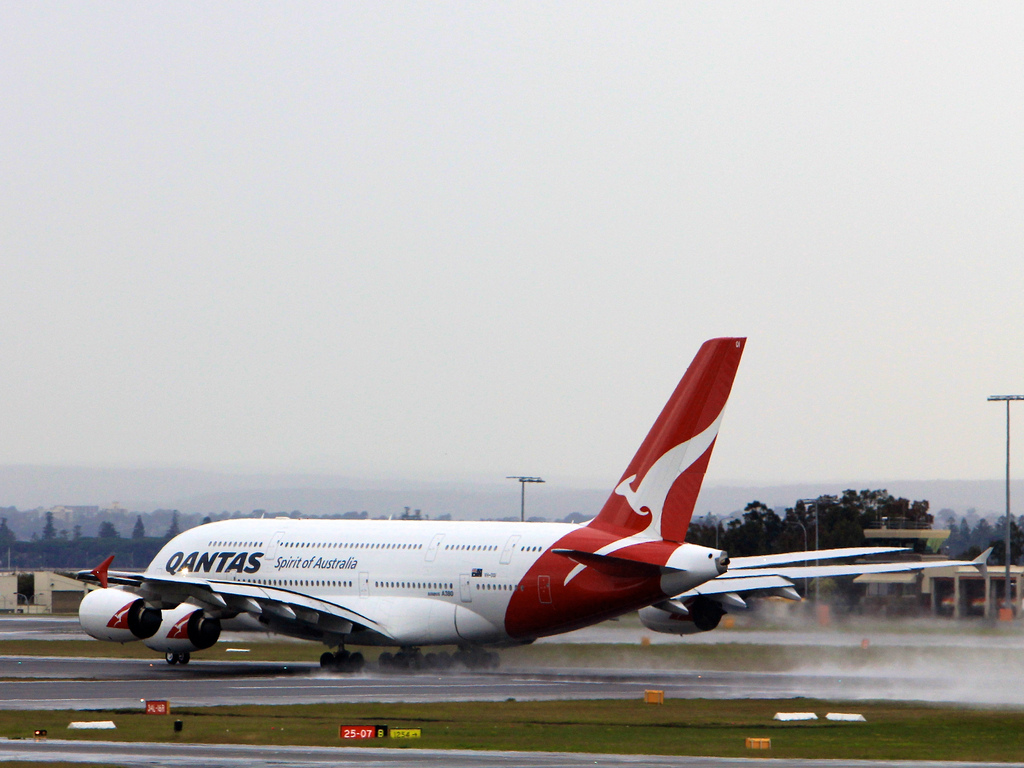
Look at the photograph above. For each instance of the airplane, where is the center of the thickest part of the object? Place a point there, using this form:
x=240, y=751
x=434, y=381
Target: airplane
x=474, y=585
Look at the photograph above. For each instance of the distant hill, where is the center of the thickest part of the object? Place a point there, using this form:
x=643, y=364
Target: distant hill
x=202, y=492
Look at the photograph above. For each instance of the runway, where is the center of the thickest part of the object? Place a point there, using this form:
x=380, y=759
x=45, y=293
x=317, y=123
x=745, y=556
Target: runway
x=59, y=683
x=230, y=756
x=21, y=627
x=45, y=683
x=992, y=659
x=628, y=631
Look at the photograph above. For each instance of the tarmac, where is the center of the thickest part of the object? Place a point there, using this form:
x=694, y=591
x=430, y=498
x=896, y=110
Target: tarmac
x=135, y=754
x=44, y=683
x=59, y=683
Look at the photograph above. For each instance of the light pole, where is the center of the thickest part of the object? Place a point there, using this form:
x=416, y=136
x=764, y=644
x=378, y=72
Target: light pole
x=522, y=492
x=1007, y=603
x=807, y=503
x=804, y=529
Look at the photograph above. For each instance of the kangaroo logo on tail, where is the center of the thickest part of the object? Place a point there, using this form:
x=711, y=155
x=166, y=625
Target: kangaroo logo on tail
x=658, y=491
x=650, y=497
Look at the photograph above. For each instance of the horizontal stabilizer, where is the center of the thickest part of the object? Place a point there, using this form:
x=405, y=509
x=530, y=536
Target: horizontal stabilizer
x=615, y=565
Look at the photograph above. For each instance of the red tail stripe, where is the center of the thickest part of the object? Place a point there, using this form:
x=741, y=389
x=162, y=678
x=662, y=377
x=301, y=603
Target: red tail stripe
x=694, y=406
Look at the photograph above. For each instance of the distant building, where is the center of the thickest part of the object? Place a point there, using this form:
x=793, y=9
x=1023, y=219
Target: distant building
x=956, y=592
x=51, y=593
x=54, y=593
x=8, y=592
x=899, y=532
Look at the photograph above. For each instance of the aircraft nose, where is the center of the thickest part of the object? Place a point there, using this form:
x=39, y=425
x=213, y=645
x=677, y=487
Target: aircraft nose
x=722, y=562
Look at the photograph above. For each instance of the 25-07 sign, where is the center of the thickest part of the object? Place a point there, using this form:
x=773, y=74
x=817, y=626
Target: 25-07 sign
x=362, y=731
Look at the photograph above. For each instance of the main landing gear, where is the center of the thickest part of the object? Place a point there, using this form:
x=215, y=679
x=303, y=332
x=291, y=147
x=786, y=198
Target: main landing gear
x=342, y=661
x=177, y=658
x=413, y=659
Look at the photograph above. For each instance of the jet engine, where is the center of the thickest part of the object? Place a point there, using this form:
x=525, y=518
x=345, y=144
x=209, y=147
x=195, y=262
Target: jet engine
x=113, y=614
x=701, y=614
x=184, y=629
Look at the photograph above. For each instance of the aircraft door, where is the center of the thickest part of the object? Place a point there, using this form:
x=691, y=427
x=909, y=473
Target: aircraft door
x=364, y=584
x=465, y=588
x=272, y=546
x=544, y=589
x=435, y=544
x=510, y=547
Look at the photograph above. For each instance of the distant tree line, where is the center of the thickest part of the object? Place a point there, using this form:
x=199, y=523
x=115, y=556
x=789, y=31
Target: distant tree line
x=59, y=549
x=967, y=541
x=761, y=530
x=758, y=530
x=840, y=521
x=52, y=547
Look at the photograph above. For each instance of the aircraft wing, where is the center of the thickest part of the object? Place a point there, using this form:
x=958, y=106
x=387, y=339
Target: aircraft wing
x=779, y=580
x=761, y=561
x=283, y=610
x=815, y=571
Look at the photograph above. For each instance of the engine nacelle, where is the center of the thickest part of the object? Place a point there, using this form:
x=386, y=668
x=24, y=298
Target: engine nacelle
x=703, y=616
x=183, y=630
x=116, y=615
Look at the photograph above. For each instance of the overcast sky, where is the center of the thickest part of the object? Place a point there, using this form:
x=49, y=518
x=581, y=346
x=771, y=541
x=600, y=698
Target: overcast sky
x=470, y=240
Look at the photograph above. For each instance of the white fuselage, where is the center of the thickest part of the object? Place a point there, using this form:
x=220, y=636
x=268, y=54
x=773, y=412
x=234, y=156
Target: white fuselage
x=426, y=582
x=476, y=565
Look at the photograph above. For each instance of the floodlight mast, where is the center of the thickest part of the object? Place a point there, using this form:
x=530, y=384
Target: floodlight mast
x=1007, y=603
x=523, y=480
x=817, y=581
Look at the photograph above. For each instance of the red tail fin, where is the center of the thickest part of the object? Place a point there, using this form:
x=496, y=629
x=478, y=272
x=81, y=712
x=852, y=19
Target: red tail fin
x=658, y=491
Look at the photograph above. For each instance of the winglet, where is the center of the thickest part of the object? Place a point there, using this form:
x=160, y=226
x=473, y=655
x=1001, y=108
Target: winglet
x=100, y=571
x=981, y=561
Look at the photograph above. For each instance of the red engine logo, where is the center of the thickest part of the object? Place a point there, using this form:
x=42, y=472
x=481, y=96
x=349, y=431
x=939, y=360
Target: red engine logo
x=120, y=619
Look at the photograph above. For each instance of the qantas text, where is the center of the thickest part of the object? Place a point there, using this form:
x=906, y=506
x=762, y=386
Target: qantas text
x=217, y=562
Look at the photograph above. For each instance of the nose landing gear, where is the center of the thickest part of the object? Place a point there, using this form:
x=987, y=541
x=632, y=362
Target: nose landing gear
x=178, y=658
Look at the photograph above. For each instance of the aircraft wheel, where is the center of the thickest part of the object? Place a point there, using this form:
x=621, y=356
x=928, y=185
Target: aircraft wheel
x=355, y=663
x=401, y=660
x=172, y=658
x=385, y=660
x=184, y=658
x=326, y=660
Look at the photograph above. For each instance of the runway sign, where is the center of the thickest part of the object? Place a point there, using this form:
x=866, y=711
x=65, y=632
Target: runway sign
x=158, y=708
x=405, y=733
x=362, y=731
x=756, y=743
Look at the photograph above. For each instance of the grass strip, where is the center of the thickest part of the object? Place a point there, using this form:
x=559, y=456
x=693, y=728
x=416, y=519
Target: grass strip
x=679, y=727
